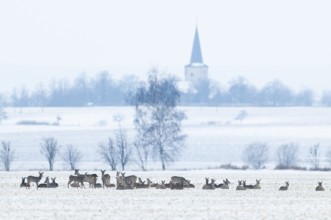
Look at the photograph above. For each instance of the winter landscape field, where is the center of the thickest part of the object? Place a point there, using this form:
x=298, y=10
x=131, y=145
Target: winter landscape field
x=214, y=137
x=301, y=201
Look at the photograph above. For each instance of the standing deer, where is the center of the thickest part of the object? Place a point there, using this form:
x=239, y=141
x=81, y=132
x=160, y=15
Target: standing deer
x=24, y=184
x=78, y=179
x=319, y=187
x=130, y=181
x=284, y=188
x=90, y=178
x=105, y=178
x=35, y=179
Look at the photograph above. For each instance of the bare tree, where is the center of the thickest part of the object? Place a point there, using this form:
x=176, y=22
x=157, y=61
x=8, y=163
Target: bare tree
x=123, y=148
x=256, y=154
x=72, y=156
x=314, y=156
x=7, y=155
x=287, y=155
x=109, y=153
x=157, y=119
x=49, y=148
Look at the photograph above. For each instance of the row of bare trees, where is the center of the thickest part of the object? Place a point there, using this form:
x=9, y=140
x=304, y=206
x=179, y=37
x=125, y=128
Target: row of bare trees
x=257, y=154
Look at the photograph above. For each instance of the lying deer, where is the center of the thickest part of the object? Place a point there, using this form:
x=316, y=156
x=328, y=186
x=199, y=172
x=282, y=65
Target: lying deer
x=319, y=187
x=225, y=184
x=210, y=186
x=53, y=184
x=240, y=186
x=162, y=186
x=45, y=184
x=24, y=184
x=177, y=186
x=284, y=188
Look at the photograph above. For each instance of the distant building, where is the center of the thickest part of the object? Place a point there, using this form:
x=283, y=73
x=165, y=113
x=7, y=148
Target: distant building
x=196, y=71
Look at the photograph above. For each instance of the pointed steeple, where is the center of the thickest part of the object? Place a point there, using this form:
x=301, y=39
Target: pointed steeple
x=196, y=56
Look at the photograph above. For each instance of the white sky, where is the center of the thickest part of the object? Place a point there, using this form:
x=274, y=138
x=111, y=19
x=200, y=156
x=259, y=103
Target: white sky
x=258, y=39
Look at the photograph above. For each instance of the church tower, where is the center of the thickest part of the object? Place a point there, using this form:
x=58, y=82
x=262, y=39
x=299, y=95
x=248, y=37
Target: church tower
x=196, y=71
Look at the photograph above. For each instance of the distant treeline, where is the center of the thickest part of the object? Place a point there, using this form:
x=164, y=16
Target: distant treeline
x=104, y=90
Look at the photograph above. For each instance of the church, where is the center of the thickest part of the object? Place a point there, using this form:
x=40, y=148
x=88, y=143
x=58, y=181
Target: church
x=196, y=71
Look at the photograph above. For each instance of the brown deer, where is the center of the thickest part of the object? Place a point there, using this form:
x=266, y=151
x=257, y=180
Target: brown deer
x=105, y=178
x=177, y=186
x=162, y=186
x=284, y=188
x=210, y=186
x=77, y=179
x=225, y=184
x=247, y=186
x=175, y=180
x=24, y=184
x=45, y=184
x=53, y=184
x=130, y=181
x=257, y=185
x=35, y=179
x=240, y=186
x=319, y=187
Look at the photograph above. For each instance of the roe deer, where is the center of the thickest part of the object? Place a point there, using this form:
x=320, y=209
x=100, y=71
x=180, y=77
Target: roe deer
x=257, y=185
x=105, y=178
x=284, y=188
x=90, y=178
x=240, y=187
x=162, y=186
x=130, y=181
x=177, y=186
x=24, y=184
x=225, y=184
x=78, y=179
x=35, y=179
x=319, y=187
x=210, y=186
x=45, y=184
x=175, y=180
x=247, y=186
x=53, y=184
x=142, y=185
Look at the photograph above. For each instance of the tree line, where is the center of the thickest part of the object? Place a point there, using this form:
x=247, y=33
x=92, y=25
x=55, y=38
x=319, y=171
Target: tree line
x=158, y=135
x=104, y=90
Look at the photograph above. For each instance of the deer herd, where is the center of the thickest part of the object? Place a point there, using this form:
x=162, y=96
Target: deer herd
x=124, y=182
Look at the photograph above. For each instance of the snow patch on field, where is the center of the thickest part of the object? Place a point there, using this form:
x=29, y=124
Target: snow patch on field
x=301, y=201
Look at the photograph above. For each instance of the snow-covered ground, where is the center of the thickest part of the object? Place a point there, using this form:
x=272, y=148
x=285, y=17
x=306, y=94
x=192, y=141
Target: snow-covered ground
x=214, y=137
x=301, y=201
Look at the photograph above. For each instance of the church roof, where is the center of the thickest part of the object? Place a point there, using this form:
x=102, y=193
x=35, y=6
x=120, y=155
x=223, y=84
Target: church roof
x=196, y=56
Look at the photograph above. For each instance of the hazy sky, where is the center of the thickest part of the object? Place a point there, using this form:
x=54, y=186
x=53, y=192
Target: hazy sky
x=258, y=39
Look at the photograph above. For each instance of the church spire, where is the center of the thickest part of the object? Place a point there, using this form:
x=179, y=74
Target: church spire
x=196, y=56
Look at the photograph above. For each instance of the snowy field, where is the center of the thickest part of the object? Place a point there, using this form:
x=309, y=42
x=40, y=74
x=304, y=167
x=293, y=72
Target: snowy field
x=301, y=201
x=214, y=137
